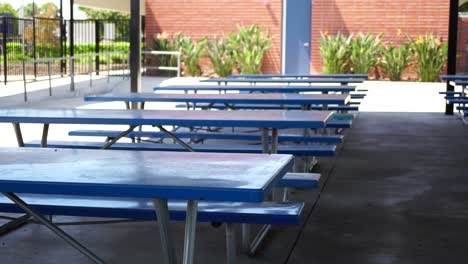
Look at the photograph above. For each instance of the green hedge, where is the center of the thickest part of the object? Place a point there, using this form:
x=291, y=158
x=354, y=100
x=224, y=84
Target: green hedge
x=49, y=50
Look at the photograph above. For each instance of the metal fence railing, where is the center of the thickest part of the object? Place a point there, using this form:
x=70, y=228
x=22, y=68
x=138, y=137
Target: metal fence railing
x=46, y=69
x=37, y=38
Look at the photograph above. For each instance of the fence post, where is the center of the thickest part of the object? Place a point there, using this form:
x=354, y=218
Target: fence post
x=90, y=70
x=178, y=64
x=62, y=46
x=34, y=47
x=24, y=81
x=4, y=47
x=50, y=78
x=97, y=40
x=108, y=66
x=72, y=74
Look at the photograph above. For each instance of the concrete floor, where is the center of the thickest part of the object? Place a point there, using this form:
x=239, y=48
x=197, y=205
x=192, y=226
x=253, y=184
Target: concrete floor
x=396, y=193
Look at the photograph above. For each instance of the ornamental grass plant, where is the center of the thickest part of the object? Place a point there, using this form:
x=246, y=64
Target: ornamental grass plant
x=394, y=60
x=430, y=55
x=249, y=46
x=220, y=53
x=364, y=49
x=335, y=51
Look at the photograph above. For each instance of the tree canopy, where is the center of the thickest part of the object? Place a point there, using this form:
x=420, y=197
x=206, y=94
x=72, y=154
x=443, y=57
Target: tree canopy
x=6, y=8
x=463, y=7
x=101, y=14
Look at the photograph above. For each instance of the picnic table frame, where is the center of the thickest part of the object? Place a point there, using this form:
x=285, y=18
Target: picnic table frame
x=151, y=182
x=255, y=88
x=310, y=81
x=229, y=100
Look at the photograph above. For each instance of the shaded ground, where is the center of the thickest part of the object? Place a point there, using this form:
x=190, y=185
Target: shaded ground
x=396, y=193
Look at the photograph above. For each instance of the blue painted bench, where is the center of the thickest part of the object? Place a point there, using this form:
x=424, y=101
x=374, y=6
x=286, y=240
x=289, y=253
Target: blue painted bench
x=267, y=107
x=358, y=96
x=451, y=93
x=333, y=139
x=296, y=150
x=298, y=76
x=267, y=213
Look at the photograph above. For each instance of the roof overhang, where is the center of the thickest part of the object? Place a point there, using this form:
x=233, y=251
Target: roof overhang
x=114, y=5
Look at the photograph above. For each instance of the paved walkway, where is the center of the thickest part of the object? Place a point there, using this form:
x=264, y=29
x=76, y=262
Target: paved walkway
x=396, y=193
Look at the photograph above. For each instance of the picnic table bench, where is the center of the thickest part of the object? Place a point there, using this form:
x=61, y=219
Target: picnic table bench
x=259, y=88
x=201, y=136
x=300, y=76
x=226, y=99
x=161, y=176
x=342, y=81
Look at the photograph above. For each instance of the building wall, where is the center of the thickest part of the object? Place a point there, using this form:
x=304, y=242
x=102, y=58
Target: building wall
x=200, y=18
x=462, y=45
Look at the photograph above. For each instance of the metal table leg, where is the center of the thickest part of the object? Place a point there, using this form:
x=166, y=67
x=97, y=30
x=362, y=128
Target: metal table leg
x=59, y=232
x=230, y=243
x=45, y=132
x=190, y=230
x=19, y=135
x=121, y=135
x=162, y=211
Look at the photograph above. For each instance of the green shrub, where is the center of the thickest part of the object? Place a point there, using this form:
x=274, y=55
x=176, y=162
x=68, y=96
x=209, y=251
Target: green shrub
x=430, y=54
x=363, y=52
x=162, y=42
x=249, y=46
x=335, y=51
x=220, y=53
x=394, y=60
x=191, y=52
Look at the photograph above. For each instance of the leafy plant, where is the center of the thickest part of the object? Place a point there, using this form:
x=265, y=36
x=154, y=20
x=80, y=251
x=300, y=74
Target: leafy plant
x=249, y=46
x=162, y=42
x=335, y=52
x=221, y=56
x=363, y=51
x=430, y=54
x=191, y=52
x=394, y=60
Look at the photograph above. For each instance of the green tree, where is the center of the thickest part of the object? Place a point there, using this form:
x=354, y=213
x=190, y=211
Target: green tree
x=100, y=14
x=463, y=7
x=6, y=8
x=48, y=10
x=29, y=9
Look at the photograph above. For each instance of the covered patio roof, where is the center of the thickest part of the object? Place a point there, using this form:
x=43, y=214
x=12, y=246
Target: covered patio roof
x=115, y=5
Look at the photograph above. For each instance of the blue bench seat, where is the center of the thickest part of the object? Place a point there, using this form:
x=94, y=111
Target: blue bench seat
x=267, y=107
x=451, y=93
x=129, y=208
x=358, y=96
x=296, y=150
x=332, y=139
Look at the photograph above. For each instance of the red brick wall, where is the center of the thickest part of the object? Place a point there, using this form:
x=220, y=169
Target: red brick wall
x=208, y=17
x=351, y=16
x=462, y=43
x=199, y=18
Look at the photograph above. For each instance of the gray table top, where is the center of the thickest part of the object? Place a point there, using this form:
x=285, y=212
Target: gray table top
x=171, y=175
x=265, y=98
x=258, y=119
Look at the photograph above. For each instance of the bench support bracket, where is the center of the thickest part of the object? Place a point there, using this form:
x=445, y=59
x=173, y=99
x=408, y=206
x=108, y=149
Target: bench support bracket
x=59, y=232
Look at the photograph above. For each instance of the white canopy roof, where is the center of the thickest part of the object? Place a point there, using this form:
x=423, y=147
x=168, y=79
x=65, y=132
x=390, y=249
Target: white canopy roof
x=116, y=5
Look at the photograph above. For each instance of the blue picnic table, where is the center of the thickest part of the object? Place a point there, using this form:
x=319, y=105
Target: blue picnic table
x=267, y=120
x=157, y=176
x=261, y=89
x=342, y=81
x=453, y=77
x=228, y=99
x=299, y=76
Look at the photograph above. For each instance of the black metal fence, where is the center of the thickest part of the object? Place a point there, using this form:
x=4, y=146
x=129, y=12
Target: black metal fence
x=30, y=39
